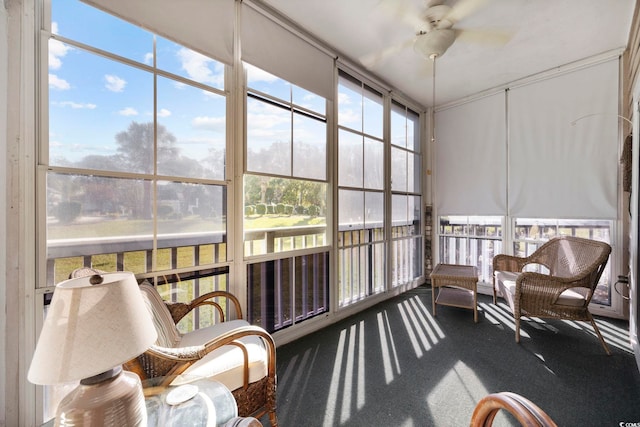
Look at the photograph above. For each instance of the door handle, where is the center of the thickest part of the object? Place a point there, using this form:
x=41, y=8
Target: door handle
x=623, y=280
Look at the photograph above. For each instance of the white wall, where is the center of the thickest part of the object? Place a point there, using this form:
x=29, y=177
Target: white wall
x=4, y=57
x=17, y=226
x=634, y=274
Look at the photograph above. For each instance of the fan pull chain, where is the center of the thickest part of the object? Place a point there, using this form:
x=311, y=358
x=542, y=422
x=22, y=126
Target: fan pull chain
x=433, y=99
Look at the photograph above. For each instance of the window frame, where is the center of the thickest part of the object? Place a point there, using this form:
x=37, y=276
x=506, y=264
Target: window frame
x=44, y=168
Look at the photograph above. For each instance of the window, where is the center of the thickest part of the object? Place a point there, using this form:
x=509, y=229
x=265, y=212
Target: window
x=132, y=158
x=361, y=246
x=406, y=200
x=530, y=137
x=474, y=240
x=285, y=189
x=471, y=240
x=531, y=233
x=285, y=201
x=135, y=154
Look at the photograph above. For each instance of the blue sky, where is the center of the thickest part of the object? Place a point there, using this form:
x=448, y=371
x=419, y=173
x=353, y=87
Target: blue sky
x=92, y=98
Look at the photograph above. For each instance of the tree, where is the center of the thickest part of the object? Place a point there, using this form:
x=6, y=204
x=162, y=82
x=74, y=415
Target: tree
x=136, y=148
x=95, y=161
x=135, y=145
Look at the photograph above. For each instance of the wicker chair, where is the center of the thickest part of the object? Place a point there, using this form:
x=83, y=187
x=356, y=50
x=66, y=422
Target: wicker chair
x=575, y=266
x=525, y=411
x=233, y=352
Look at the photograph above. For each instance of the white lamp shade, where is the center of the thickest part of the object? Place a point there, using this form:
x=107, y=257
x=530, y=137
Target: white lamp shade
x=90, y=329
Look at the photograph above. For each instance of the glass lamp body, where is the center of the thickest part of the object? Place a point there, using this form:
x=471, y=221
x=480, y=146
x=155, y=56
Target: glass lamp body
x=212, y=405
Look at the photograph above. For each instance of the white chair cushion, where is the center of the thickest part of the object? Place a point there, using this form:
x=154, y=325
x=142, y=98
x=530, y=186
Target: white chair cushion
x=168, y=334
x=575, y=297
x=508, y=280
x=226, y=363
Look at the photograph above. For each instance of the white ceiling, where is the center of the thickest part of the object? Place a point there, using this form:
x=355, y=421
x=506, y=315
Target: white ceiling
x=544, y=34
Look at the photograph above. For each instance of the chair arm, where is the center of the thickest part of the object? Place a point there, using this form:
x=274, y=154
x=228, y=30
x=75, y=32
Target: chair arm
x=504, y=262
x=180, y=309
x=525, y=411
x=194, y=353
x=544, y=289
x=232, y=338
x=169, y=362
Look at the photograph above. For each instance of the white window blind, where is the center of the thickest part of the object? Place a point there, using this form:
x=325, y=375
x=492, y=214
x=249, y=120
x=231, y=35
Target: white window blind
x=470, y=153
x=560, y=170
x=205, y=26
x=275, y=49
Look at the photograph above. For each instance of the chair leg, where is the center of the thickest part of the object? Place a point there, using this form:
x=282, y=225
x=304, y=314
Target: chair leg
x=273, y=419
x=271, y=402
x=517, y=329
x=494, y=290
x=595, y=328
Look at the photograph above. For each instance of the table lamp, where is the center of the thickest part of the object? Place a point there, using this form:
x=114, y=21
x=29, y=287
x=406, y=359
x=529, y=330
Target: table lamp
x=94, y=324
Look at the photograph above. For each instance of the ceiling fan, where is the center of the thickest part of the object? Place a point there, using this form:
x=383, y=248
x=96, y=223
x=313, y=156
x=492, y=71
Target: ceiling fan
x=434, y=28
x=434, y=31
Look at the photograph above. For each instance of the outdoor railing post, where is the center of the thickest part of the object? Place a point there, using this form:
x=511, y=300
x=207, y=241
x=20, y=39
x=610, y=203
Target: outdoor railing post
x=269, y=241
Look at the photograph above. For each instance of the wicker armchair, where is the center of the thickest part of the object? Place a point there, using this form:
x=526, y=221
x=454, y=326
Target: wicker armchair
x=575, y=266
x=523, y=410
x=233, y=352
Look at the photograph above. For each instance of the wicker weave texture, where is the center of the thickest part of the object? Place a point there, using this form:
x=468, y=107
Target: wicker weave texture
x=574, y=263
x=161, y=365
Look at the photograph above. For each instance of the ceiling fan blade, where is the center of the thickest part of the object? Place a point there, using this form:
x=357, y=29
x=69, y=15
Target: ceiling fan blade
x=405, y=12
x=373, y=59
x=464, y=8
x=484, y=36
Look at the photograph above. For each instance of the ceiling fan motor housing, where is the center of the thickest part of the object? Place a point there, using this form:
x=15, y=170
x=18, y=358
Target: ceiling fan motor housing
x=434, y=43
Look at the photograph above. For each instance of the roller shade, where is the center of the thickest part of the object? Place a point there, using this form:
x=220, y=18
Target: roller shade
x=205, y=26
x=560, y=170
x=273, y=48
x=471, y=160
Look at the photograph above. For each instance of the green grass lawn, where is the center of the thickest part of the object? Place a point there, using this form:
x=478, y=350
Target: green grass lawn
x=106, y=227
x=137, y=261
x=276, y=221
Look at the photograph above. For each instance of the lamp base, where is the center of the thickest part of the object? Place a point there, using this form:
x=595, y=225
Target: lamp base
x=113, y=398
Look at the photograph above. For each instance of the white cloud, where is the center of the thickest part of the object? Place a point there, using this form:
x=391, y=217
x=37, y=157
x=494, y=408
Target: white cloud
x=209, y=123
x=197, y=67
x=148, y=58
x=75, y=105
x=266, y=116
x=164, y=112
x=56, y=82
x=345, y=114
x=114, y=83
x=57, y=51
x=266, y=121
x=54, y=27
x=348, y=116
x=267, y=124
x=343, y=98
x=129, y=111
x=257, y=75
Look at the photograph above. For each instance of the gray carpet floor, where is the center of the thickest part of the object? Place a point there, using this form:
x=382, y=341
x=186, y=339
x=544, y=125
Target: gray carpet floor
x=396, y=365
